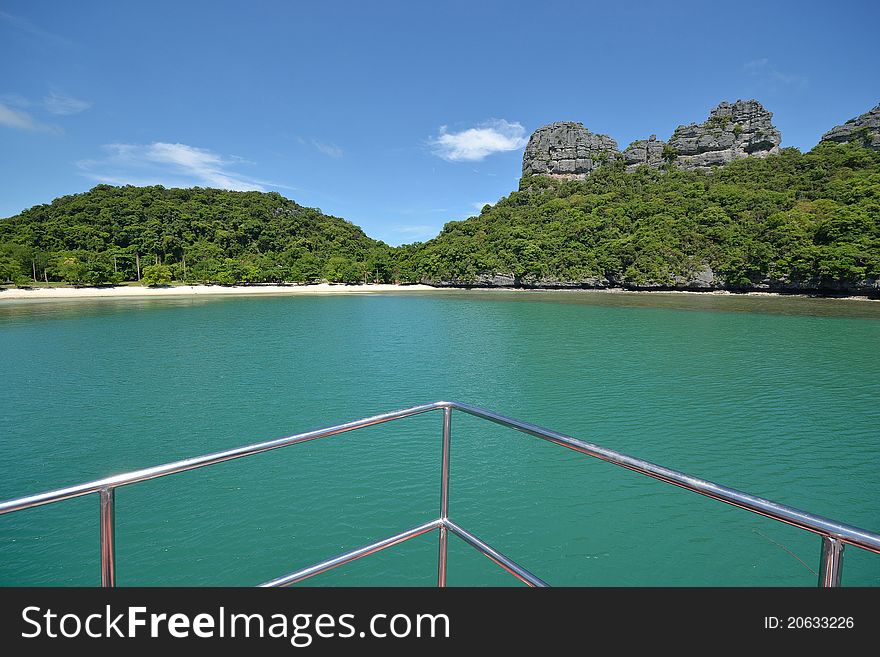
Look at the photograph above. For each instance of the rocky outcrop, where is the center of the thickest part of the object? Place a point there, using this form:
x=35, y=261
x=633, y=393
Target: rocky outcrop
x=551, y=283
x=479, y=280
x=864, y=130
x=567, y=150
x=700, y=279
x=732, y=131
x=644, y=151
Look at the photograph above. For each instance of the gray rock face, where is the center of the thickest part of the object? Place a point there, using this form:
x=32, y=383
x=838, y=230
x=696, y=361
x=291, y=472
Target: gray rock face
x=703, y=279
x=567, y=150
x=864, y=130
x=732, y=131
x=644, y=151
x=479, y=280
x=551, y=283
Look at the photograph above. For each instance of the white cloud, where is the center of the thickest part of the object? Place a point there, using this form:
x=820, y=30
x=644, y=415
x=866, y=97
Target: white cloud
x=764, y=70
x=478, y=206
x=26, y=27
x=475, y=144
x=15, y=100
x=15, y=111
x=756, y=64
x=172, y=165
x=63, y=105
x=21, y=120
x=330, y=150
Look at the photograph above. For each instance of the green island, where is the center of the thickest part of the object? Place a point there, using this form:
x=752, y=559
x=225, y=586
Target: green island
x=788, y=221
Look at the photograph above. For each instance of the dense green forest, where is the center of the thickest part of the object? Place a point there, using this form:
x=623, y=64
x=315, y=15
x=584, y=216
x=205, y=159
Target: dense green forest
x=793, y=218
x=114, y=234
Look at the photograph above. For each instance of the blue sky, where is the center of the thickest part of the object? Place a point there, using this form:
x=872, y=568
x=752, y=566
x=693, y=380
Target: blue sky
x=398, y=116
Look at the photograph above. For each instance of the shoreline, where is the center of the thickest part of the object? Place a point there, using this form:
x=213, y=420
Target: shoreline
x=133, y=291
x=137, y=291
x=699, y=293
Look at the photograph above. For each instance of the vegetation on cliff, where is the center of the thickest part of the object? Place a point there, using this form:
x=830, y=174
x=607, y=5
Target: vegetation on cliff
x=790, y=217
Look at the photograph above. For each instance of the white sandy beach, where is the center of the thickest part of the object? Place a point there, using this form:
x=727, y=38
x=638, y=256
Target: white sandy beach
x=199, y=290
x=136, y=291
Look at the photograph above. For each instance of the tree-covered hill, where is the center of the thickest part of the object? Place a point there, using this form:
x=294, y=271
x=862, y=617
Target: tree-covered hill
x=113, y=234
x=788, y=221
x=808, y=221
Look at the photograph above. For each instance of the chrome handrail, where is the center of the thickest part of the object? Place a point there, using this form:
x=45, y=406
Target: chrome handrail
x=835, y=535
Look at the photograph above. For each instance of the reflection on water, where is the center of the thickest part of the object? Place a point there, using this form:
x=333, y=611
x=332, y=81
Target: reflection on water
x=774, y=304
x=709, y=302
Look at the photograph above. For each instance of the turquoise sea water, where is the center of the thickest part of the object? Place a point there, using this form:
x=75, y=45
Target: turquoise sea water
x=777, y=397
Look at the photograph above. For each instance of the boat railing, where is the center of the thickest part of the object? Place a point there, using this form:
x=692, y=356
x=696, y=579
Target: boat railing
x=835, y=535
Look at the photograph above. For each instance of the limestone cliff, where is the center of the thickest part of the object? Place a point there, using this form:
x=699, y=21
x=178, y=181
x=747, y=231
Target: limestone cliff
x=864, y=130
x=567, y=150
x=644, y=151
x=732, y=131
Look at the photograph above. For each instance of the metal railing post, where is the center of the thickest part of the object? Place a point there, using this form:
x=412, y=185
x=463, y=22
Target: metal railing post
x=832, y=562
x=444, y=497
x=108, y=537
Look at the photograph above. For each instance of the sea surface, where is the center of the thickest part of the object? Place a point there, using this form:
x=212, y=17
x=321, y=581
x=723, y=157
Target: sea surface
x=774, y=396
